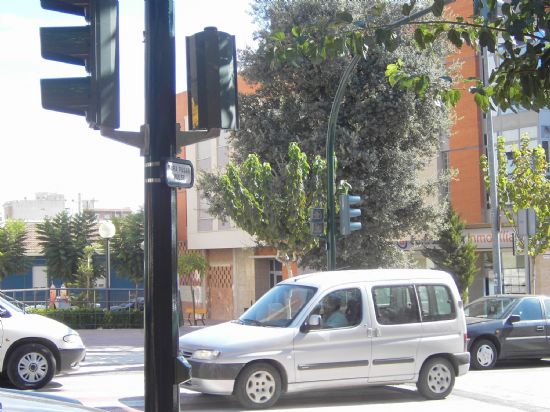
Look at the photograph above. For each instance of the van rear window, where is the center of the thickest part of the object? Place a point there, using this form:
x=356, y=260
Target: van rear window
x=436, y=303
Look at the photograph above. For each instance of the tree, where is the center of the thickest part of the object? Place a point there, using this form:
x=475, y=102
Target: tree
x=384, y=135
x=12, y=248
x=63, y=240
x=272, y=206
x=455, y=253
x=522, y=184
x=516, y=31
x=192, y=264
x=127, y=244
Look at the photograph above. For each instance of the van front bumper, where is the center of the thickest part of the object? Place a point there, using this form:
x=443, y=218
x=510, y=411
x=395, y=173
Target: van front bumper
x=213, y=378
x=70, y=358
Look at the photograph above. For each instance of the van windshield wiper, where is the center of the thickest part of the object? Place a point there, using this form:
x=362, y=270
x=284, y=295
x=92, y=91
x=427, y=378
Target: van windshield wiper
x=251, y=322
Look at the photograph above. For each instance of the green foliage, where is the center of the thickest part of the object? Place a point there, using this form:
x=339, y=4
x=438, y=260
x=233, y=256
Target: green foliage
x=274, y=206
x=94, y=318
x=127, y=253
x=63, y=240
x=521, y=185
x=517, y=32
x=384, y=136
x=455, y=254
x=12, y=248
x=193, y=262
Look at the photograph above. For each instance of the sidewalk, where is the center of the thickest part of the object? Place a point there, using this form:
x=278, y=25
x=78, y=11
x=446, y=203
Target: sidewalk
x=129, y=337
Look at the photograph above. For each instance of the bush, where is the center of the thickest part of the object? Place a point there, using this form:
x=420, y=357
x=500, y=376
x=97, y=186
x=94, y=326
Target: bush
x=94, y=318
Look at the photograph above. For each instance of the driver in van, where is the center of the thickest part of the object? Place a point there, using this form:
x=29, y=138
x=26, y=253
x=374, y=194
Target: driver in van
x=333, y=317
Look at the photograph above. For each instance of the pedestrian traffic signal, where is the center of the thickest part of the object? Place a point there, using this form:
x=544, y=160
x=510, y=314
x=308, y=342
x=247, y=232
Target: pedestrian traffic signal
x=212, y=80
x=94, y=46
x=346, y=214
x=317, y=221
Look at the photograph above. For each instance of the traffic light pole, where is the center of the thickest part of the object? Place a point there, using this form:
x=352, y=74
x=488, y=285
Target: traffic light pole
x=331, y=133
x=161, y=318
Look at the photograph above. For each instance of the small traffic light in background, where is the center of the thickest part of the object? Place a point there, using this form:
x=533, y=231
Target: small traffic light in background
x=94, y=46
x=317, y=221
x=346, y=214
x=212, y=80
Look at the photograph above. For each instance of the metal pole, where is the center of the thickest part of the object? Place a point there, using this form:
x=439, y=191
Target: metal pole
x=161, y=325
x=331, y=135
x=108, y=275
x=493, y=190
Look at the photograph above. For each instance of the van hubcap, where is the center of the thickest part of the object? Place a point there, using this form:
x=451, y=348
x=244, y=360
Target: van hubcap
x=260, y=387
x=32, y=367
x=485, y=355
x=439, y=378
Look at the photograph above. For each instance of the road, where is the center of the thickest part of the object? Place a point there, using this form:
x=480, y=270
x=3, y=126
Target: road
x=111, y=378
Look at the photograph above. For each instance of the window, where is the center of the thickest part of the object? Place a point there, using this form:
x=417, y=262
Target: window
x=341, y=308
x=547, y=304
x=395, y=305
x=528, y=309
x=203, y=156
x=436, y=303
x=205, y=219
x=223, y=150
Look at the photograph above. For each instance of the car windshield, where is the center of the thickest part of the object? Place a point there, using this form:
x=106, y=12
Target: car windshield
x=490, y=308
x=12, y=307
x=279, y=306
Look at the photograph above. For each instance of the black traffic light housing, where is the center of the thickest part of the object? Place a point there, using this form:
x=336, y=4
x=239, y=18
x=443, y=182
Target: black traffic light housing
x=212, y=80
x=95, y=46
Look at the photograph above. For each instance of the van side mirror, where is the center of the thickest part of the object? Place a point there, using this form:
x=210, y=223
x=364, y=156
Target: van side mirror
x=514, y=318
x=4, y=313
x=313, y=322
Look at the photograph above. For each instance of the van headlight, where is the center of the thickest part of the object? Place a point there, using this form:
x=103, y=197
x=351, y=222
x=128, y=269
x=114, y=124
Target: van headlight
x=72, y=338
x=205, y=354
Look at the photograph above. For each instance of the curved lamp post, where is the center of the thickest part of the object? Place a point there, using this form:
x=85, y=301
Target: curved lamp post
x=107, y=230
x=331, y=136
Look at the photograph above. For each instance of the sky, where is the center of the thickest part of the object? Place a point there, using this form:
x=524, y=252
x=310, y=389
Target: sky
x=47, y=151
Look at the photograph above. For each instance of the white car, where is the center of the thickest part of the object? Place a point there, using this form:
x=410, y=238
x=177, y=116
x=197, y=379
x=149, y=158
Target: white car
x=33, y=348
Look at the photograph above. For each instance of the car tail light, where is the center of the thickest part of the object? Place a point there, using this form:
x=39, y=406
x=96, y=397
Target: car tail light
x=465, y=342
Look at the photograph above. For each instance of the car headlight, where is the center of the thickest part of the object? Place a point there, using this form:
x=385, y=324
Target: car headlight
x=72, y=338
x=204, y=354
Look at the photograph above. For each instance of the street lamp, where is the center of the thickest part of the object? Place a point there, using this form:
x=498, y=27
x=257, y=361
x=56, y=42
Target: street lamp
x=107, y=230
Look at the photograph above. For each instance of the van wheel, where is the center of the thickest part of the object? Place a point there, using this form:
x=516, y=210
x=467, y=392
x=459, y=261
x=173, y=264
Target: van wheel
x=31, y=366
x=437, y=378
x=258, y=386
x=483, y=354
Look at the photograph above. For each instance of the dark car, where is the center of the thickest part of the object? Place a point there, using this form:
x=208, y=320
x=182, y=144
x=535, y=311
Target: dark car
x=137, y=304
x=507, y=327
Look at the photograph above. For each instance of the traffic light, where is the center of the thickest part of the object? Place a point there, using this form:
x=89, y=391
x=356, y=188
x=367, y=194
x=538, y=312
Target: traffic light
x=317, y=222
x=346, y=214
x=212, y=80
x=94, y=46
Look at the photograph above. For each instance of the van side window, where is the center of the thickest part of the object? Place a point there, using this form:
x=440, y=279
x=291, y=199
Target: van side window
x=395, y=305
x=341, y=308
x=436, y=303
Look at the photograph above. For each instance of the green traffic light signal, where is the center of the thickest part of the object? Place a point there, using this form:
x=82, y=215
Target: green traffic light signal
x=94, y=46
x=346, y=214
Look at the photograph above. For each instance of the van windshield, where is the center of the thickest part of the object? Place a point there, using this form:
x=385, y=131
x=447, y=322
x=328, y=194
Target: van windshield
x=278, y=307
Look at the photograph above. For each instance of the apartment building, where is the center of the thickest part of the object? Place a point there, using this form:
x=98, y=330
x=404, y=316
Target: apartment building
x=468, y=141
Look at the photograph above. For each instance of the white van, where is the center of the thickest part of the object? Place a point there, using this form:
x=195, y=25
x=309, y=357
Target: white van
x=33, y=348
x=336, y=329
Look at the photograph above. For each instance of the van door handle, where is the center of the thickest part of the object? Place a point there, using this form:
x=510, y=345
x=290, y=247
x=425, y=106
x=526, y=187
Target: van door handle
x=540, y=328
